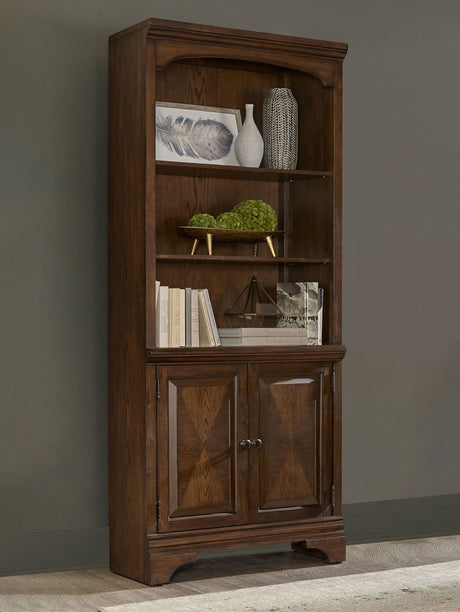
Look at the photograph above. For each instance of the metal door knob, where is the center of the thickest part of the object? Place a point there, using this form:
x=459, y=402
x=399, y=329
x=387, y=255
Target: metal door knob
x=245, y=444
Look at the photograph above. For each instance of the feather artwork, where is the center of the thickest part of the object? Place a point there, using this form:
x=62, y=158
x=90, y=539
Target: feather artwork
x=206, y=139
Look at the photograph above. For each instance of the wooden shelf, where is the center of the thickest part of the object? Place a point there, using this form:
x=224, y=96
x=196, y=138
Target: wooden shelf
x=239, y=172
x=213, y=259
x=329, y=352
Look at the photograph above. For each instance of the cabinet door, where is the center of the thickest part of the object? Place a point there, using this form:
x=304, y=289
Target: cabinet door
x=201, y=468
x=290, y=411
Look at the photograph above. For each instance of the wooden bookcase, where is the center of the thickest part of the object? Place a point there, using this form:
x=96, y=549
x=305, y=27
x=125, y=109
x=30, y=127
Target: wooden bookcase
x=180, y=481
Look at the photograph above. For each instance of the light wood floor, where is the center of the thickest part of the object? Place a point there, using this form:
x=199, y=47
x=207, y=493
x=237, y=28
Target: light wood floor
x=87, y=590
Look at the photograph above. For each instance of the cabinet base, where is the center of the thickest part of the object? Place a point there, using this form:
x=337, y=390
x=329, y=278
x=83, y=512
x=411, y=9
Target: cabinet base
x=330, y=549
x=163, y=566
x=167, y=552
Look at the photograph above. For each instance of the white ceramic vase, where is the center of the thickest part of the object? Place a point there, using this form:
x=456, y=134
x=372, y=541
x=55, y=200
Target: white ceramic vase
x=249, y=144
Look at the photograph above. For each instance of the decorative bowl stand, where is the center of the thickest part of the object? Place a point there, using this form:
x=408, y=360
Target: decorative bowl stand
x=211, y=234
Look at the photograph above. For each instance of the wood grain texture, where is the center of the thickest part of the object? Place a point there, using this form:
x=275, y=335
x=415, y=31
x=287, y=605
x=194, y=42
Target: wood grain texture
x=258, y=354
x=202, y=471
x=127, y=397
x=290, y=412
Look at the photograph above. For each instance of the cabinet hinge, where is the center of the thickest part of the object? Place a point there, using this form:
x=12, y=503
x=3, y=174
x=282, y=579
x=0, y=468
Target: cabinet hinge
x=333, y=381
x=158, y=510
x=158, y=388
x=333, y=497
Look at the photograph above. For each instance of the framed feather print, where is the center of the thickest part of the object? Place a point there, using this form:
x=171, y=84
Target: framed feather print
x=196, y=134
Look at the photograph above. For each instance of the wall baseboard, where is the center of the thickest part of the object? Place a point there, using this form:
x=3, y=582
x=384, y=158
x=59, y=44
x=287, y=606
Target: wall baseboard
x=402, y=519
x=49, y=551
x=380, y=521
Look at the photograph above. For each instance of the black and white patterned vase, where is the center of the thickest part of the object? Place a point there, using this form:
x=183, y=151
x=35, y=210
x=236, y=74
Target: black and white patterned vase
x=280, y=129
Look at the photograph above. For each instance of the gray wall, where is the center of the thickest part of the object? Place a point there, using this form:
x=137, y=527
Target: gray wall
x=401, y=219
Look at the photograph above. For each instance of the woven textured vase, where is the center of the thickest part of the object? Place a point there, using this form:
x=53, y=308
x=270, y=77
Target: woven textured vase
x=280, y=129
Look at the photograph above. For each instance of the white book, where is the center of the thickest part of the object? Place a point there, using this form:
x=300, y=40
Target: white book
x=260, y=332
x=267, y=341
x=194, y=319
x=212, y=318
x=181, y=317
x=188, y=317
x=162, y=318
x=206, y=335
x=174, y=317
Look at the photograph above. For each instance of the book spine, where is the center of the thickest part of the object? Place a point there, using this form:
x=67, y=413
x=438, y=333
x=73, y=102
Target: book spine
x=212, y=318
x=267, y=341
x=162, y=318
x=182, y=317
x=194, y=319
x=174, y=317
x=206, y=335
x=188, y=316
x=261, y=332
x=157, y=292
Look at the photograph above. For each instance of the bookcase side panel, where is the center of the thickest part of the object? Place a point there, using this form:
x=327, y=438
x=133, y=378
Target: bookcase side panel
x=127, y=304
x=336, y=111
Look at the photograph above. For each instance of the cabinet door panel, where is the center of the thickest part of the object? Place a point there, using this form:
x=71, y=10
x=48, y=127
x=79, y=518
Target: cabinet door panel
x=290, y=407
x=201, y=415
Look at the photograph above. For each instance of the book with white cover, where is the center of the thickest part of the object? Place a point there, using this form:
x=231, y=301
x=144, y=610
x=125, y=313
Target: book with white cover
x=195, y=319
x=206, y=335
x=258, y=332
x=174, y=317
x=188, y=316
x=162, y=318
x=212, y=318
x=181, y=317
x=274, y=340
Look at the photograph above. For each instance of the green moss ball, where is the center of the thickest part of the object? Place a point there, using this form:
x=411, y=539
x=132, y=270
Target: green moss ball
x=256, y=215
x=229, y=220
x=202, y=220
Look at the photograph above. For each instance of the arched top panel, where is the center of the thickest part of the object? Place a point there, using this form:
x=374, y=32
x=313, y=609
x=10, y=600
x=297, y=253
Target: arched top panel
x=326, y=72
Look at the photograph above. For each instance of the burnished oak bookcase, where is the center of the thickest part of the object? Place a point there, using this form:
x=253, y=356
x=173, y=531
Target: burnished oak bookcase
x=183, y=476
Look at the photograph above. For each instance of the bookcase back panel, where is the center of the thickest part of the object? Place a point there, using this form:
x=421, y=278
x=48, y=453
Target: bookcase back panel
x=309, y=219
x=224, y=281
x=220, y=84
x=179, y=199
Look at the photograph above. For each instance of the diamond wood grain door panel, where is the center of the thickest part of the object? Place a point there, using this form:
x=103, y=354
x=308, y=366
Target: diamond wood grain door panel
x=201, y=468
x=290, y=407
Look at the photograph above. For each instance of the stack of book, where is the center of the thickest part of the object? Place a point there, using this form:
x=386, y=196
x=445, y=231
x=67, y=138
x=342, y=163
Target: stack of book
x=184, y=317
x=262, y=336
